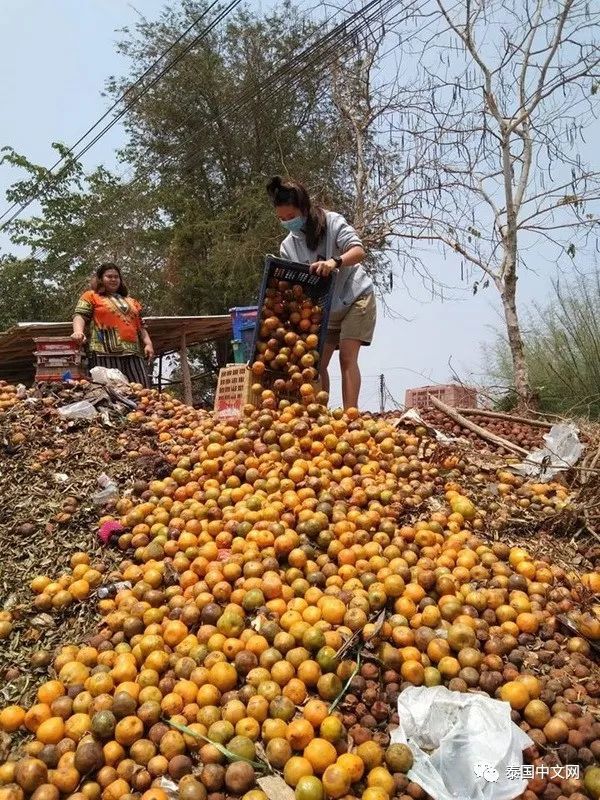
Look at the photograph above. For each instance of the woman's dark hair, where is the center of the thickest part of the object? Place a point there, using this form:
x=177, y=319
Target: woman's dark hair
x=292, y=193
x=97, y=284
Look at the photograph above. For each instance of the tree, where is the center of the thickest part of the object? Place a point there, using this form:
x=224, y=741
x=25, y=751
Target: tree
x=210, y=134
x=492, y=127
x=188, y=217
x=562, y=349
x=82, y=221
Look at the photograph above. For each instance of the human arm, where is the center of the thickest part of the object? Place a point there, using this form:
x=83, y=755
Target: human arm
x=348, y=244
x=84, y=311
x=143, y=332
x=348, y=259
x=78, y=329
x=147, y=342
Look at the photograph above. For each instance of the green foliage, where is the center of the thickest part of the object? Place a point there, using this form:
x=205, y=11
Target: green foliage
x=82, y=221
x=189, y=220
x=562, y=347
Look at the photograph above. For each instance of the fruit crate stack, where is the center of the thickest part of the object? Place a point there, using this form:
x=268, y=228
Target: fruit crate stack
x=243, y=322
x=58, y=358
x=452, y=394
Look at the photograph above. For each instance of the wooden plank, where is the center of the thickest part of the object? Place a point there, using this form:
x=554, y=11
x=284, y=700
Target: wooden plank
x=501, y=415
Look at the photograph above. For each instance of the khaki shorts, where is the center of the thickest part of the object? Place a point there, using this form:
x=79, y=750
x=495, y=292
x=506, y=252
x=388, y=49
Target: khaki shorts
x=357, y=323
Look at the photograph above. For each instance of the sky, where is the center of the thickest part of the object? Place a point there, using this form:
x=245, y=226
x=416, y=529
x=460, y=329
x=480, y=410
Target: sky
x=59, y=54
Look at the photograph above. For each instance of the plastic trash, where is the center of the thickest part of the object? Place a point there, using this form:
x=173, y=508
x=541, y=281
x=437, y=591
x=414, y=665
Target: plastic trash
x=465, y=746
x=169, y=787
x=108, y=377
x=109, y=529
x=80, y=410
x=109, y=491
x=562, y=450
x=112, y=589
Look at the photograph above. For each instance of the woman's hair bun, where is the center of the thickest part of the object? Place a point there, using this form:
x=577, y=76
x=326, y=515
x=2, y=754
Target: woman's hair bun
x=274, y=185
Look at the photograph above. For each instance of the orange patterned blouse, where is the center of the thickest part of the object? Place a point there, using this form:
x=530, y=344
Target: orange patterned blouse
x=115, y=323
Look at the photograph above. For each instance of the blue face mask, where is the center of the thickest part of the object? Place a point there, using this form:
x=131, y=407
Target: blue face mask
x=294, y=225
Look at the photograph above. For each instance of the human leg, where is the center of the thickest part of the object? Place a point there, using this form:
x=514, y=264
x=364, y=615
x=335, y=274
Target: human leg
x=349, y=350
x=328, y=350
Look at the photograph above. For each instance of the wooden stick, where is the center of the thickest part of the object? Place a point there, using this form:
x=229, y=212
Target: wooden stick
x=186, y=378
x=499, y=415
x=490, y=437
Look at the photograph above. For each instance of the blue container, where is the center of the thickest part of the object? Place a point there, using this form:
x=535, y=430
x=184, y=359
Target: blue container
x=243, y=323
x=243, y=318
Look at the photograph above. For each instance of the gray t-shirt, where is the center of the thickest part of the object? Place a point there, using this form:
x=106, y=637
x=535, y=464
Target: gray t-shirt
x=350, y=282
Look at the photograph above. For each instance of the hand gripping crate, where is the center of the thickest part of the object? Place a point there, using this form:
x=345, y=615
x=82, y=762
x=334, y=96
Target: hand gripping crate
x=318, y=288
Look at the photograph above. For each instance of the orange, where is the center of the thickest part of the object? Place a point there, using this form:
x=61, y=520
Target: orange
x=299, y=733
x=49, y=691
x=515, y=693
x=11, y=718
x=332, y=610
x=336, y=781
x=379, y=776
x=128, y=730
x=370, y=754
x=315, y=711
x=296, y=767
x=321, y=754
x=353, y=765
x=331, y=729
x=174, y=632
x=37, y=714
x=51, y=731
x=77, y=726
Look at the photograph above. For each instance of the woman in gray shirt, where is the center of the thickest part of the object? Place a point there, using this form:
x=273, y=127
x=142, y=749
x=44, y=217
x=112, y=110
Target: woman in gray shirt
x=326, y=241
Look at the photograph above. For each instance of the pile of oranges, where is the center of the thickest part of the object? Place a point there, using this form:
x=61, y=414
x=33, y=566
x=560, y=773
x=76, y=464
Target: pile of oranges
x=289, y=579
x=288, y=337
x=8, y=396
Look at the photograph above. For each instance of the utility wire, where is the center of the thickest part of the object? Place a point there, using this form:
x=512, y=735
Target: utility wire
x=327, y=48
x=75, y=156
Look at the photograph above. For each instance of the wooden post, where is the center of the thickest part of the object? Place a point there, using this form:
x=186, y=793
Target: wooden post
x=160, y=365
x=222, y=350
x=186, y=378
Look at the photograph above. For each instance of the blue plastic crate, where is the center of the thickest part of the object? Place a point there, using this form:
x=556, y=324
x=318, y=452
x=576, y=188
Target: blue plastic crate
x=243, y=318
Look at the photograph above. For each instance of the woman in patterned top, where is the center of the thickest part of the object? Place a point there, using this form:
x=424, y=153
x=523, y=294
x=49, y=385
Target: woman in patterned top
x=117, y=336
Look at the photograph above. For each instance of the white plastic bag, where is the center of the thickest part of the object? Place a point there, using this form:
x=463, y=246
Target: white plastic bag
x=562, y=450
x=108, y=377
x=81, y=410
x=465, y=746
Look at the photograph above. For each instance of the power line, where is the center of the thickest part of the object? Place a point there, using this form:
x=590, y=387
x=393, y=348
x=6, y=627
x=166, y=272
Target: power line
x=329, y=46
x=75, y=156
